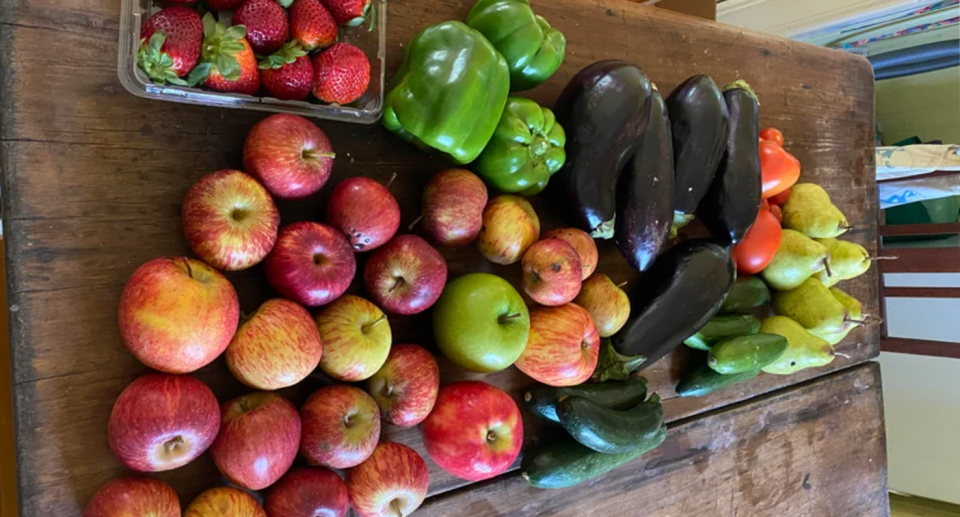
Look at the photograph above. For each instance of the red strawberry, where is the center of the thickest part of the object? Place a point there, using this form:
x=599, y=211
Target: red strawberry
x=340, y=74
x=288, y=73
x=223, y=5
x=227, y=61
x=311, y=24
x=348, y=12
x=266, y=24
x=170, y=44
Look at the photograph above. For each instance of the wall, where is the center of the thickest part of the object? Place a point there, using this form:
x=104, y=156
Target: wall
x=925, y=105
x=790, y=18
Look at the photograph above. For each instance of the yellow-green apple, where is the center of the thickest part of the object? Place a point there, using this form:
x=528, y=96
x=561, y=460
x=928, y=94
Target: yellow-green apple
x=452, y=208
x=290, y=155
x=311, y=264
x=341, y=427
x=391, y=483
x=276, y=347
x=583, y=243
x=224, y=502
x=563, y=346
x=161, y=422
x=474, y=432
x=308, y=492
x=606, y=302
x=551, y=272
x=365, y=211
x=230, y=220
x=356, y=338
x=481, y=322
x=406, y=386
x=134, y=497
x=510, y=226
x=177, y=314
x=406, y=275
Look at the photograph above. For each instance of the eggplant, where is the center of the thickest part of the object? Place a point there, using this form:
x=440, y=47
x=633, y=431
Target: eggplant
x=699, y=122
x=604, y=110
x=675, y=299
x=645, y=192
x=730, y=206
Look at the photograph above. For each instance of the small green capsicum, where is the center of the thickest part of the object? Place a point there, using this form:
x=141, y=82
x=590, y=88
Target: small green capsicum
x=526, y=149
x=534, y=50
x=449, y=91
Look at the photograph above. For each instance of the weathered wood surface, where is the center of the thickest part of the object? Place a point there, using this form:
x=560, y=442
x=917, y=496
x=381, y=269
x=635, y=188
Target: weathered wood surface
x=93, y=179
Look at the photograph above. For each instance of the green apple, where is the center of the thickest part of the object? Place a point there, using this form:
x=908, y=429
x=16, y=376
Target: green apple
x=481, y=322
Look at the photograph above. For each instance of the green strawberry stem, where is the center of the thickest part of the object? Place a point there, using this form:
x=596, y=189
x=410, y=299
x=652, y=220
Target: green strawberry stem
x=158, y=65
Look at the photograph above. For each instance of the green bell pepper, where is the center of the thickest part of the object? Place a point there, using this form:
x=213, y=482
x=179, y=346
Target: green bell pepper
x=449, y=91
x=526, y=149
x=534, y=50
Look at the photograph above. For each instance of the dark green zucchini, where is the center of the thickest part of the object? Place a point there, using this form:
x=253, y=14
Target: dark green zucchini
x=746, y=353
x=723, y=327
x=747, y=293
x=610, y=430
x=703, y=380
x=542, y=400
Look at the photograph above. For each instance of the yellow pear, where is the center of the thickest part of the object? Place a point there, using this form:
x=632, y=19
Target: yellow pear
x=847, y=260
x=798, y=258
x=855, y=316
x=813, y=306
x=810, y=211
x=804, y=350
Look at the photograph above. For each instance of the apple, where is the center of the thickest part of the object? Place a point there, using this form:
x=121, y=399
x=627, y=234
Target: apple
x=341, y=427
x=161, y=422
x=365, y=211
x=391, y=483
x=311, y=264
x=308, y=492
x=563, y=346
x=290, y=155
x=406, y=386
x=453, y=203
x=481, y=323
x=406, y=275
x=510, y=226
x=224, y=502
x=134, y=496
x=258, y=439
x=177, y=314
x=474, y=432
x=356, y=338
x=606, y=302
x=583, y=243
x=230, y=220
x=551, y=272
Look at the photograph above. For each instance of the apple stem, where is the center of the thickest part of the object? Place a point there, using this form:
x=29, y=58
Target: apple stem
x=310, y=154
x=390, y=181
x=414, y=223
x=172, y=443
x=186, y=263
x=396, y=507
x=398, y=283
x=491, y=436
x=621, y=284
x=504, y=319
x=366, y=328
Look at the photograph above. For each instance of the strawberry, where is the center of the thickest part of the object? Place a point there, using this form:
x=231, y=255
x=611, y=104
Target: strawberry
x=266, y=24
x=170, y=44
x=223, y=5
x=311, y=24
x=227, y=62
x=340, y=74
x=348, y=12
x=288, y=73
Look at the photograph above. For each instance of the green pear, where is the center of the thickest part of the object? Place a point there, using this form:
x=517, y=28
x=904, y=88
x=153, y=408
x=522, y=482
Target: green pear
x=847, y=260
x=804, y=350
x=798, y=258
x=810, y=211
x=854, y=320
x=813, y=306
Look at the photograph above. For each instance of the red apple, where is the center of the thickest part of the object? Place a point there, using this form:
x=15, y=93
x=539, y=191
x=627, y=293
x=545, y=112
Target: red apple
x=290, y=155
x=365, y=211
x=583, y=243
x=278, y=346
x=224, y=502
x=341, y=427
x=474, y=431
x=406, y=386
x=563, y=346
x=391, y=483
x=551, y=272
x=356, y=338
x=177, y=314
x=230, y=220
x=134, y=496
x=606, y=302
x=308, y=492
x=406, y=275
x=453, y=203
x=510, y=226
x=312, y=263
x=161, y=422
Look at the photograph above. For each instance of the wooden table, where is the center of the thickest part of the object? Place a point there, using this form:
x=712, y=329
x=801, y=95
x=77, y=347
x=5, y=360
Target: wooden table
x=92, y=184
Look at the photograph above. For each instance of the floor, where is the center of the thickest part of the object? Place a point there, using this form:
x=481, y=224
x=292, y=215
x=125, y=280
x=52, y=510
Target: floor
x=906, y=506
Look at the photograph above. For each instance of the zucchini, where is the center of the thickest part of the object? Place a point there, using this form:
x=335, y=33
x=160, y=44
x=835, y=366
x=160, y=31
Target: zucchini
x=723, y=327
x=703, y=380
x=746, y=353
x=747, y=293
x=542, y=400
x=610, y=430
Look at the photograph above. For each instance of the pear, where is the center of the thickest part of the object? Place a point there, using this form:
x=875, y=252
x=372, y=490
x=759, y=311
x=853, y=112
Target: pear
x=798, y=258
x=810, y=211
x=813, y=306
x=804, y=350
x=847, y=260
x=854, y=320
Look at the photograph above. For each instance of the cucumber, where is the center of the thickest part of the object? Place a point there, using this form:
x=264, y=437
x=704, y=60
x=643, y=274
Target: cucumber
x=610, y=430
x=746, y=353
x=542, y=400
x=723, y=327
x=747, y=293
x=564, y=462
x=703, y=380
